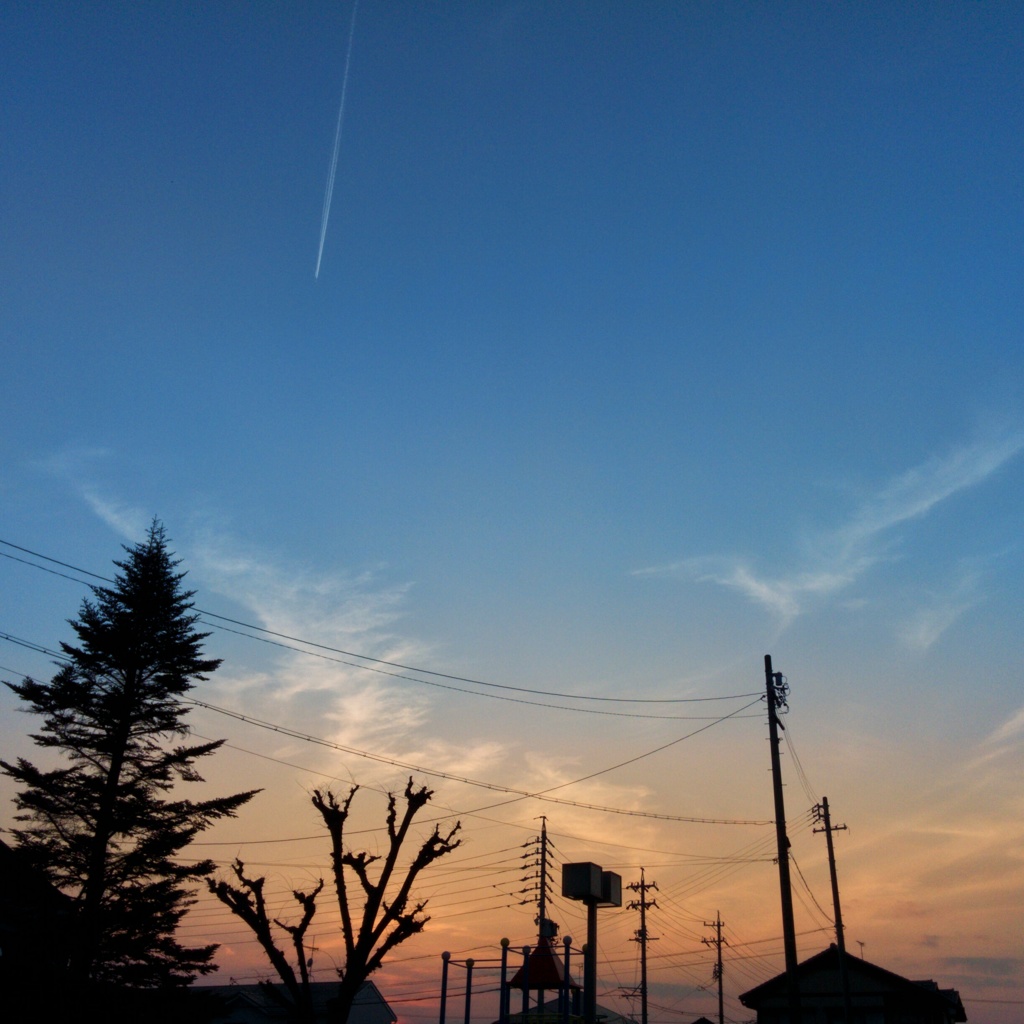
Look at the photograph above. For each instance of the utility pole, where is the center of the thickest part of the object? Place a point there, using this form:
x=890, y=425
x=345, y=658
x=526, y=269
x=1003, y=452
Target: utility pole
x=543, y=900
x=717, y=972
x=776, y=691
x=536, y=856
x=546, y=929
x=641, y=934
x=821, y=814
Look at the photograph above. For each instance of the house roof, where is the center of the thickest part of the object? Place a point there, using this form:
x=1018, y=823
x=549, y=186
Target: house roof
x=951, y=995
x=36, y=918
x=870, y=977
x=259, y=1002
x=21, y=886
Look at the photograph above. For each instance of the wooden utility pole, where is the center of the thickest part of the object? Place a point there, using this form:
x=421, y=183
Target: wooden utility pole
x=776, y=691
x=641, y=935
x=717, y=942
x=821, y=814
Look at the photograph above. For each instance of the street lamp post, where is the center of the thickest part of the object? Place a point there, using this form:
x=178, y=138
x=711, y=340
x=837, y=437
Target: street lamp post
x=590, y=885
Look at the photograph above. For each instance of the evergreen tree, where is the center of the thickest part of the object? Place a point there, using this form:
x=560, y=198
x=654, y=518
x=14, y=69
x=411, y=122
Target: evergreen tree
x=108, y=825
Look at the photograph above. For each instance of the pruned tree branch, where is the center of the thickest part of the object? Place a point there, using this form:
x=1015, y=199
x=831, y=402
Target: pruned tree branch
x=387, y=917
x=246, y=901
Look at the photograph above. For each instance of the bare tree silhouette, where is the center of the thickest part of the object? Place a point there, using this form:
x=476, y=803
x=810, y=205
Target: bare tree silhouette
x=389, y=915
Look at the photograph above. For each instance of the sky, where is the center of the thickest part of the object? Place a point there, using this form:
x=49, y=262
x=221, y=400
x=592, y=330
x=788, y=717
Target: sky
x=647, y=339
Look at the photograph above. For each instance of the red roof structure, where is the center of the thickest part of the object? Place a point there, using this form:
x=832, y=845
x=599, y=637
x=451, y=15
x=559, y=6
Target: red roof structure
x=544, y=970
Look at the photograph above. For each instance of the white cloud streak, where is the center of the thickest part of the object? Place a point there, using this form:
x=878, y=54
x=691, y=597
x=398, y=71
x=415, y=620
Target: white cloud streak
x=1009, y=732
x=915, y=493
x=77, y=465
x=129, y=521
x=842, y=555
x=336, y=698
x=329, y=189
x=1002, y=744
x=928, y=623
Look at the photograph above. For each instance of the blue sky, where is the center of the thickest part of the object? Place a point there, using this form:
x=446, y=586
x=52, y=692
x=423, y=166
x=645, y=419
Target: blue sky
x=648, y=339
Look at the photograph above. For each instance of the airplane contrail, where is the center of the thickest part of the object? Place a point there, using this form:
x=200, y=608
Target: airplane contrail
x=329, y=191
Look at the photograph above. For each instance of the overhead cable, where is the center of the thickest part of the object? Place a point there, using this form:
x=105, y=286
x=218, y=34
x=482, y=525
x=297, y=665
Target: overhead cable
x=518, y=794
x=369, y=658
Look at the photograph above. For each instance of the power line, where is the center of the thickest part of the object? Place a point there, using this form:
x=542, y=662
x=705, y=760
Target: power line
x=808, y=789
x=366, y=657
x=32, y=646
x=474, y=693
x=519, y=794
x=810, y=893
x=428, y=682
x=469, y=679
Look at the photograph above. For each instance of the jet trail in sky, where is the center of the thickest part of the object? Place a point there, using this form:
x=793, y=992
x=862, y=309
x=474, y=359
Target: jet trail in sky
x=328, y=192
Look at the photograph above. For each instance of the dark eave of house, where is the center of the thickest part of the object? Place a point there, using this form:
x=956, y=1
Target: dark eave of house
x=828, y=960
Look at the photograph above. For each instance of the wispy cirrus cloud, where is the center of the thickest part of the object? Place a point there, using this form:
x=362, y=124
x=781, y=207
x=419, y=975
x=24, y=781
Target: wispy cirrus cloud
x=356, y=702
x=73, y=462
x=334, y=606
x=1002, y=744
x=304, y=686
x=80, y=466
x=837, y=557
x=128, y=520
x=783, y=596
x=1009, y=732
x=333, y=609
x=929, y=622
x=916, y=492
x=363, y=701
